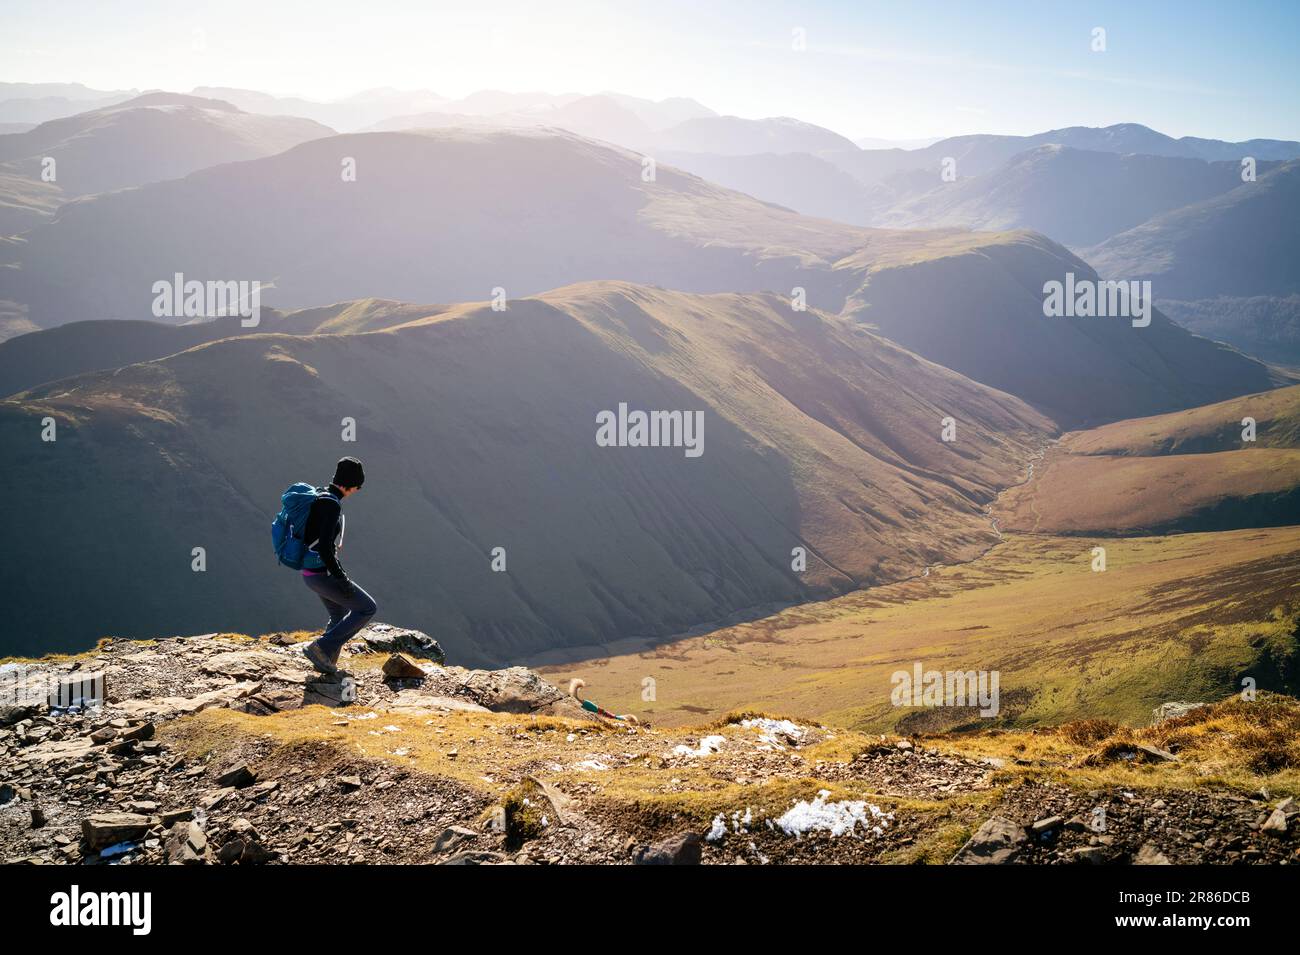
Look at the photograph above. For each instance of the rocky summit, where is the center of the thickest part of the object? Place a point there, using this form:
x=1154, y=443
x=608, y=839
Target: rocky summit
x=223, y=749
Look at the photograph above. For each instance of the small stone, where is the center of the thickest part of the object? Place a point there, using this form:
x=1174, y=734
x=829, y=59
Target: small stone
x=109, y=828
x=145, y=731
x=187, y=844
x=1093, y=855
x=996, y=842
x=237, y=777
x=350, y=782
x=1150, y=855
x=1047, y=825
x=214, y=798
x=1153, y=754
x=401, y=667
x=681, y=849
x=1276, y=823
x=451, y=837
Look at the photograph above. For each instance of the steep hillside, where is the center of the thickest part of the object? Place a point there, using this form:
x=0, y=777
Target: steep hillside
x=1077, y=197
x=1216, y=427
x=975, y=304
x=25, y=201
x=478, y=429
x=1241, y=243
x=1267, y=327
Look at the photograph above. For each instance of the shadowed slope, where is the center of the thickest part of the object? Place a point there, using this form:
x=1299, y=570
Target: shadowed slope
x=478, y=431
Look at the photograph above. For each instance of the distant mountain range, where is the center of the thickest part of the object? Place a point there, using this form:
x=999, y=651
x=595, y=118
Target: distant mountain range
x=1077, y=197
x=451, y=215
x=145, y=139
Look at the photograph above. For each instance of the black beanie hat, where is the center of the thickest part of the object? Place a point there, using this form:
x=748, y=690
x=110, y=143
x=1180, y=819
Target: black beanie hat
x=349, y=473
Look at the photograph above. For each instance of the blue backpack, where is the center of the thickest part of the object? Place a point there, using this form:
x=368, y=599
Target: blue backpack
x=288, y=527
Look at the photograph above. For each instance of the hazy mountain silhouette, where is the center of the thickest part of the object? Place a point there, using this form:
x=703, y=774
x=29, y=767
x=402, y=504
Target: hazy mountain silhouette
x=734, y=136
x=452, y=215
x=150, y=138
x=1078, y=197
x=981, y=153
x=1240, y=243
x=67, y=350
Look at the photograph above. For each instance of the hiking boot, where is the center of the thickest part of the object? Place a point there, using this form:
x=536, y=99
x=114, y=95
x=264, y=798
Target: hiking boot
x=317, y=658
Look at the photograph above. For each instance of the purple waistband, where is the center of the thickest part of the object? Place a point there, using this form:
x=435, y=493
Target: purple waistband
x=313, y=573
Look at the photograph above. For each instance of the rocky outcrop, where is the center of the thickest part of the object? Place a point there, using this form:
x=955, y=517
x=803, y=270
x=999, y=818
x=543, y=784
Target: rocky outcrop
x=385, y=638
x=996, y=842
x=1172, y=710
x=405, y=775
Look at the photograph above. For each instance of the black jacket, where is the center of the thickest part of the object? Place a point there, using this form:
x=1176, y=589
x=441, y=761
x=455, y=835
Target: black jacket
x=324, y=530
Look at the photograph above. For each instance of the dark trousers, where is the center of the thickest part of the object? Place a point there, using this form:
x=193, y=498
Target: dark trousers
x=350, y=608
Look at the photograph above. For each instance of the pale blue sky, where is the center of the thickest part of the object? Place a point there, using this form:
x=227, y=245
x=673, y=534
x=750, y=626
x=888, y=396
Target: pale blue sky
x=887, y=69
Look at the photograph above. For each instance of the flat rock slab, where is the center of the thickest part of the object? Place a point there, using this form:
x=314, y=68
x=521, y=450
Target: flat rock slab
x=512, y=690
x=109, y=828
x=996, y=842
x=168, y=707
x=413, y=701
x=247, y=665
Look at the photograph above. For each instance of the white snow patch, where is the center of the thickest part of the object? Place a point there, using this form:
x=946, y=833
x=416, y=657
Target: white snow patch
x=837, y=818
x=593, y=764
x=718, y=830
x=771, y=731
x=708, y=746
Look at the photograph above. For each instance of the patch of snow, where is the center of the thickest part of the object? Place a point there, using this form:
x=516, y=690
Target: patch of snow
x=771, y=731
x=708, y=746
x=837, y=818
x=718, y=830
x=594, y=764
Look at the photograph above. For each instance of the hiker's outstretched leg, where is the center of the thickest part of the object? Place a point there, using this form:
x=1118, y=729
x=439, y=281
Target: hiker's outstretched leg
x=336, y=611
x=360, y=607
